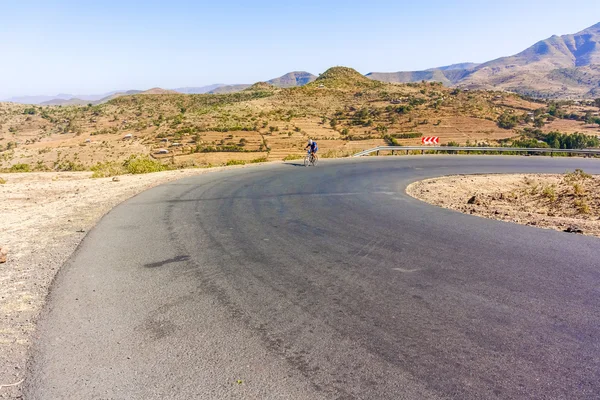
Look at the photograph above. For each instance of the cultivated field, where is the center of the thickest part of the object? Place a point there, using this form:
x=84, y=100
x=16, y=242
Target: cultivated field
x=344, y=111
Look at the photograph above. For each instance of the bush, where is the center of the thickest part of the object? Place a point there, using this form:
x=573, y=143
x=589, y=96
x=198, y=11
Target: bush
x=259, y=160
x=235, y=162
x=576, y=176
x=143, y=165
x=582, y=206
x=508, y=121
x=20, y=168
x=2, y=181
x=68, y=166
x=550, y=193
x=409, y=135
x=108, y=169
x=391, y=140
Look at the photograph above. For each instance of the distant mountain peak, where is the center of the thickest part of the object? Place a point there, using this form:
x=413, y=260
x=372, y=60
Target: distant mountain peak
x=592, y=29
x=556, y=67
x=292, y=79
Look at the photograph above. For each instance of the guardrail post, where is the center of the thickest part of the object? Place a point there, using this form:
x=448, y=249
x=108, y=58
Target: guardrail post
x=392, y=152
x=377, y=152
x=422, y=152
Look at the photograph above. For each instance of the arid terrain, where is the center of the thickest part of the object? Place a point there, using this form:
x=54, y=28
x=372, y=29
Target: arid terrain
x=49, y=154
x=344, y=111
x=569, y=202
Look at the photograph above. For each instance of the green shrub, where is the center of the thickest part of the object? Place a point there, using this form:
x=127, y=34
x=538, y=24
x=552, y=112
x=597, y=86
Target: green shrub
x=2, y=181
x=409, y=135
x=235, y=162
x=20, y=168
x=391, y=140
x=508, y=121
x=259, y=160
x=143, y=165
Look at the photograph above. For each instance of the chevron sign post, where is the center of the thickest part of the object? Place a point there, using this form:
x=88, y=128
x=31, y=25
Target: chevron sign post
x=430, y=140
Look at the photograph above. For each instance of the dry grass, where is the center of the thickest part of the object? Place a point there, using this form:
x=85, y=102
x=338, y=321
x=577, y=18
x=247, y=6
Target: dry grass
x=550, y=201
x=347, y=114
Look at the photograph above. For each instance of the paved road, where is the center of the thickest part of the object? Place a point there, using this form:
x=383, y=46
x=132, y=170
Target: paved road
x=282, y=282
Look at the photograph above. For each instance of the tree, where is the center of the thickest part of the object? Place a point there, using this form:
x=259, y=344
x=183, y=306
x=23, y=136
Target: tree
x=597, y=103
x=507, y=121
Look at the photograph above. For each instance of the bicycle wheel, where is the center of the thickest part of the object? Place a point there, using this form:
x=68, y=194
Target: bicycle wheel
x=315, y=160
x=307, y=160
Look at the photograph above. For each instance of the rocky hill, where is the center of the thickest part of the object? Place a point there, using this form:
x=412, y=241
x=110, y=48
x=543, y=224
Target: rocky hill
x=565, y=66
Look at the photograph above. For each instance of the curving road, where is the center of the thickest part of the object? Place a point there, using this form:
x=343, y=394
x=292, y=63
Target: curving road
x=284, y=282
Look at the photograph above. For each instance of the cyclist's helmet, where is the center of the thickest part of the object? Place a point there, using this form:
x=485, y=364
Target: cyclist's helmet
x=310, y=141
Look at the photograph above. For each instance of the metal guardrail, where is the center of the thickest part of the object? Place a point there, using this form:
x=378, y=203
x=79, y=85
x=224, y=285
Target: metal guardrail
x=451, y=149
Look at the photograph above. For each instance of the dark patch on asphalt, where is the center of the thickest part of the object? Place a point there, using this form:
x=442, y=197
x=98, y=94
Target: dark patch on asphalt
x=168, y=261
x=159, y=329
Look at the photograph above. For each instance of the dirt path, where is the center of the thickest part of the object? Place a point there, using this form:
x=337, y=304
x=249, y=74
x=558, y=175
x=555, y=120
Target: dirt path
x=43, y=217
x=568, y=202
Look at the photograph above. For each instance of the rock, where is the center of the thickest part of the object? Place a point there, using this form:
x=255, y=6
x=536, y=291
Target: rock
x=573, y=229
x=3, y=254
x=473, y=200
x=116, y=179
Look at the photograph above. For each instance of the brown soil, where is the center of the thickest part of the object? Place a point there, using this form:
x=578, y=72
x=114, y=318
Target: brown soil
x=561, y=202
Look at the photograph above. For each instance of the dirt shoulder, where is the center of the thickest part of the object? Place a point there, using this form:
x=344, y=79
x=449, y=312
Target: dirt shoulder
x=44, y=216
x=567, y=202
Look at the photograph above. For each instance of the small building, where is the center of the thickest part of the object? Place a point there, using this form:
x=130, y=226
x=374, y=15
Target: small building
x=129, y=136
x=162, y=151
x=88, y=140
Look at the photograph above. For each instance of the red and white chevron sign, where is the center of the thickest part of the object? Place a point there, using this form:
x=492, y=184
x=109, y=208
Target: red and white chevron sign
x=430, y=140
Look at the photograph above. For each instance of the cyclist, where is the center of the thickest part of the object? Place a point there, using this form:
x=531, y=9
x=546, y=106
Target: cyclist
x=312, y=147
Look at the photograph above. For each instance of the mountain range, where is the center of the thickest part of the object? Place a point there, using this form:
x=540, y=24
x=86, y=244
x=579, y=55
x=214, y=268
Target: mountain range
x=565, y=66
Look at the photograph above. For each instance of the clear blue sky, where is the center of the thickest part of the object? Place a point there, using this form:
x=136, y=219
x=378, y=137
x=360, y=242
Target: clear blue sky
x=89, y=47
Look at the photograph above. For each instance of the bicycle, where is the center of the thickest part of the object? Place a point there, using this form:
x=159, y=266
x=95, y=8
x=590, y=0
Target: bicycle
x=311, y=159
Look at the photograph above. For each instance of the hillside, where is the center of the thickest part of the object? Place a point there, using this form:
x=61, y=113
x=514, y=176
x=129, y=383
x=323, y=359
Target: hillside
x=225, y=89
x=343, y=110
x=344, y=77
x=565, y=66
x=292, y=79
x=61, y=102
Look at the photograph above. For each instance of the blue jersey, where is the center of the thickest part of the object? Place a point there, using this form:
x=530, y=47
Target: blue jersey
x=314, y=147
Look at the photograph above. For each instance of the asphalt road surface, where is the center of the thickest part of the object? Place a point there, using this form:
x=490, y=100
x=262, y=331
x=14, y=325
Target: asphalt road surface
x=328, y=282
